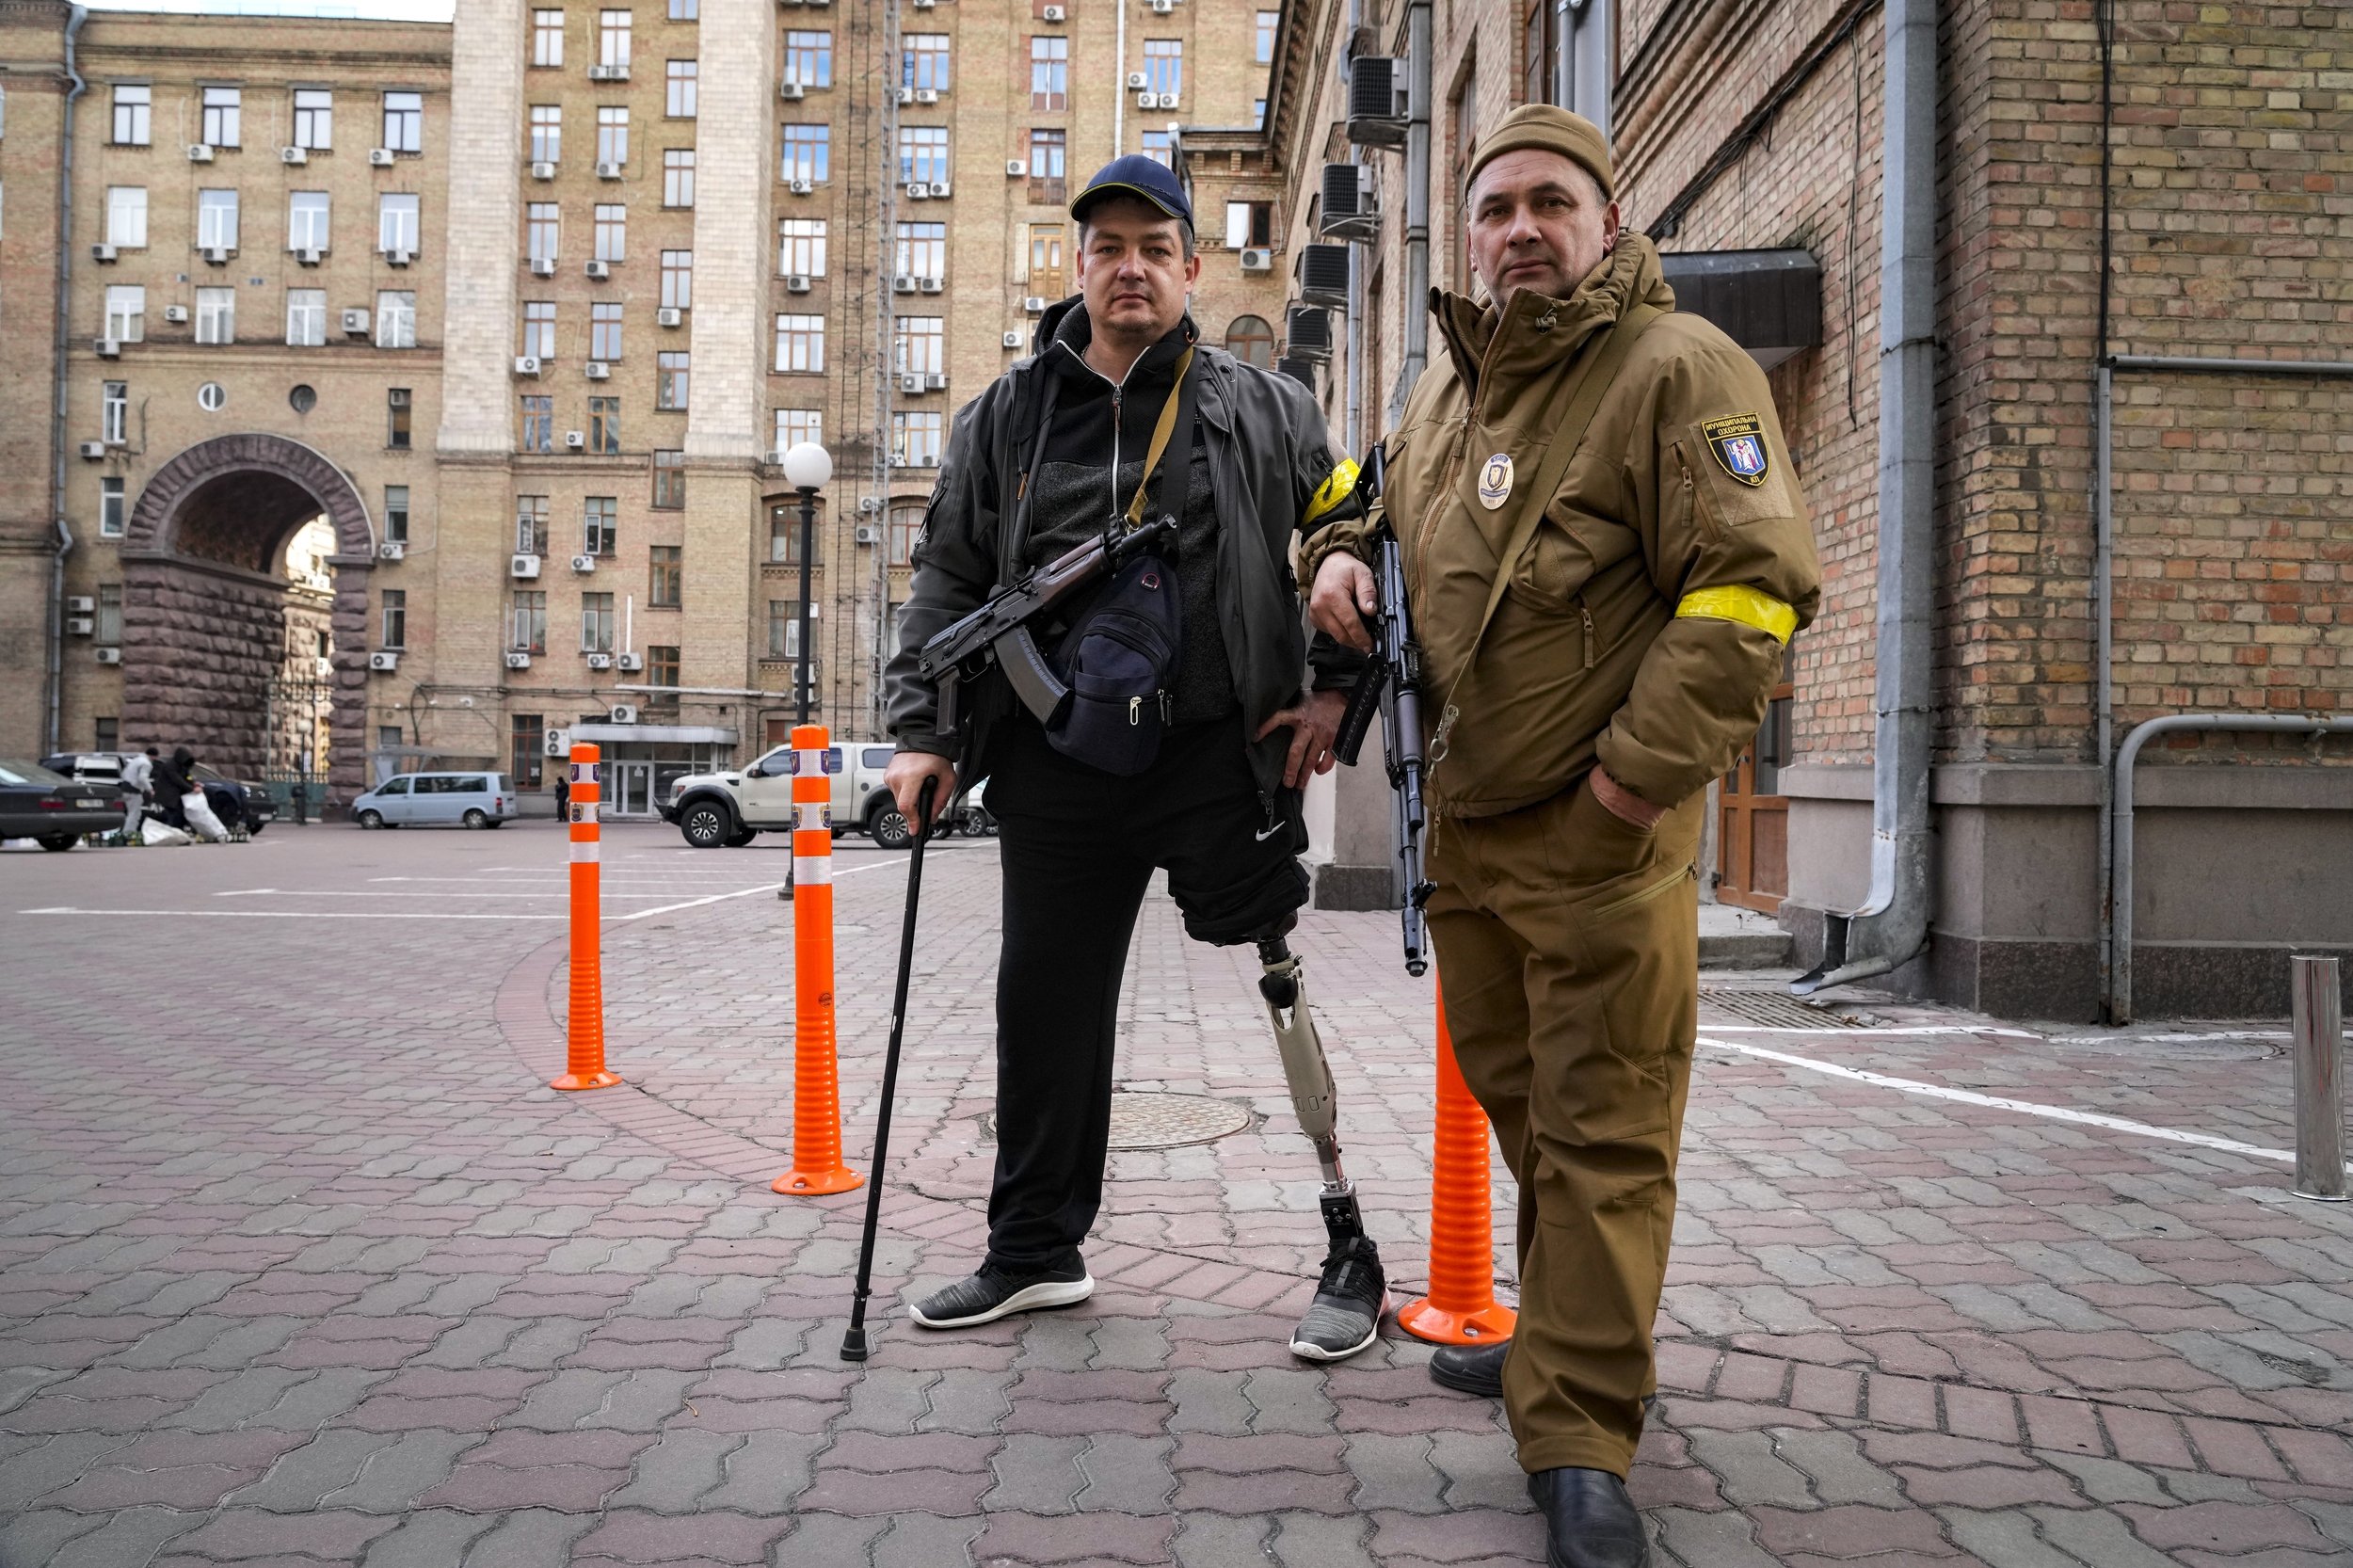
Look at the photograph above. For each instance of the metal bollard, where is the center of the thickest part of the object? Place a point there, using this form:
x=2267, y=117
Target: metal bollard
x=2319, y=1079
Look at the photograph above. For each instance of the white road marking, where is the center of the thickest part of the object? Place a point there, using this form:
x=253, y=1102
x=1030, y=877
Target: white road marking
x=281, y=915
x=746, y=892
x=1836, y=1031
x=1997, y=1102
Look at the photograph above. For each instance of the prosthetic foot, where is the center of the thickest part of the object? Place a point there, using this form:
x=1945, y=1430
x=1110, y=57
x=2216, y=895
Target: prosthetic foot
x=1352, y=1295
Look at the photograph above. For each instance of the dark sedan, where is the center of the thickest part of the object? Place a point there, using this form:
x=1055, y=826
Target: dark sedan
x=51, y=809
x=260, y=806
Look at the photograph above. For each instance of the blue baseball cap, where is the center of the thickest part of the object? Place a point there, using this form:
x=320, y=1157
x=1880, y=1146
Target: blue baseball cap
x=1146, y=178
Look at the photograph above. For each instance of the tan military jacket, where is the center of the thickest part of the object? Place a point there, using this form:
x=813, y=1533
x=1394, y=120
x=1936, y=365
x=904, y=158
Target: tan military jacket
x=1681, y=498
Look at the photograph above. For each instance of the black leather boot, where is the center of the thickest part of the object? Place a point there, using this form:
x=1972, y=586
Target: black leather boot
x=1590, y=1522
x=1471, y=1368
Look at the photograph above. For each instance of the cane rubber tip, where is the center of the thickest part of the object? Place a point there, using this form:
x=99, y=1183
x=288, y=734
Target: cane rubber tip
x=854, y=1345
x=600, y=1080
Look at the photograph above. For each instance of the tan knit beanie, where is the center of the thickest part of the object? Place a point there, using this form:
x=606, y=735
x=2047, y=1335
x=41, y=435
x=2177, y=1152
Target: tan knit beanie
x=1556, y=130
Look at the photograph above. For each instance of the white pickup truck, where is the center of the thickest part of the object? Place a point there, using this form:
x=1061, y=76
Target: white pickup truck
x=732, y=807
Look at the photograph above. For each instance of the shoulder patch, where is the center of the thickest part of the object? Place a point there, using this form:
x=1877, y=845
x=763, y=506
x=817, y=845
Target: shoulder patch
x=1739, y=443
x=1338, y=489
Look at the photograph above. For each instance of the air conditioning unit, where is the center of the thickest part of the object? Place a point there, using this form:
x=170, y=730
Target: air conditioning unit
x=294, y=154
x=1035, y=304
x=600, y=661
x=922, y=5
x=110, y=656
x=598, y=271
x=1016, y=168
x=1138, y=81
x=1307, y=333
x=608, y=74
x=630, y=662
x=918, y=190
x=932, y=285
x=94, y=449
x=543, y=169
x=940, y=190
x=621, y=712
x=200, y=152
x=796, y=283
x=1350, y=209
x=801, y=187
x=175, y=312
x=608, y=172
x=398, y=258
x=379, y=157
x=543, y=266
x=1323, y=273
x=865, y=532
x=80, y=626
x=526, y=364
x=309, y=255
x=1379, y=103
x=927, y=95
x=103, y=253
x=600, y=371
x=108, y=348
x=1013, y=337
x=519, y=661
x=584, y=563
x=1257, y=259
x=1147, y=99
x=870, y=503
x=558, y=742
x=936, y=381
x=906, y=95
x=356, y=323
x=792, y=92
x=898, y=459
x=903, y=283
x=523, y=566
x=392, y=549
x=1163, y=7
x=385, y=660
x=1299, y=370
x=1054, y=13
x=910, y=383
x=217, y=255
x=575, y=441
x=669, y=315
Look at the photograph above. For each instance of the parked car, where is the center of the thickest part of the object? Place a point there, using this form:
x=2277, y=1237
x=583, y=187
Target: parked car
x=454, y=799
x=252, y=798
x=237, y=802
x=53, y=810
x=732, y=807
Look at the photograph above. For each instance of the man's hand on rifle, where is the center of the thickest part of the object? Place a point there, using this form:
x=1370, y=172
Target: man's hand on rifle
x=905, y=778
x=1343, y=594
x=1313, y=723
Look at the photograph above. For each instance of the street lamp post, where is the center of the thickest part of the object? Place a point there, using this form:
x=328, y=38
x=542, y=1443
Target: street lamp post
x=808, y=468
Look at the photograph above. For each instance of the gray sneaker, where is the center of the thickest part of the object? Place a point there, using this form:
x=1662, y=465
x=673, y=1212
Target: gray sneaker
x=1345, y=1317
x=993, y=1293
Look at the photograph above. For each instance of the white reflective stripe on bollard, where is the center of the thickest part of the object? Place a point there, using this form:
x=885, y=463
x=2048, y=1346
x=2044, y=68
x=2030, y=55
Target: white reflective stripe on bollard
x=809, y=762
x=585, y=811
x=586, y=849
x=812, y=867
x=812, y=815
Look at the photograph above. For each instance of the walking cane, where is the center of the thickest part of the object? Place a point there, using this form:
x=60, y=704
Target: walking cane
x=854, y=1339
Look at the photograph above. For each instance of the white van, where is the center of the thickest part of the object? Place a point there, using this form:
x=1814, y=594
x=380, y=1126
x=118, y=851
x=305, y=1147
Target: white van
x=456, y=799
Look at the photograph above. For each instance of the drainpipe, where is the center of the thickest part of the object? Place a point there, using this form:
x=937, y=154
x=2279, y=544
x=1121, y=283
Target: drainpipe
x=1353, y=435
x=1119, y=89
x=57, y=414
x=1891, y=928
x=1416, y=323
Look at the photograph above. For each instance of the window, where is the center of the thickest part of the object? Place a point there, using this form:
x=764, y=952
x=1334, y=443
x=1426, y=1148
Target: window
x=804, y=153
x=1158, y=146
x=1258, y=114
x=110, y=507
x=906, y=526
x=314, y=119
x=1050, y=165
x=217, y=219
x=547, y=38
x=113, y=412
x=600, y=524
x=531, y=525
x=107, y=732
x=784, y=540
x=538, y=433
x=923, y=61
x=396, y=513
x=307, y=225
x=596, y=623
x=1049, y=73
x=921, y=249
x=397, y=226
x=132, y=105
x=923, y=153
x=528, y=736
x=1249, y=223
x=612, y=133
x=801, y=343
x=1250, y=340
x=613, y=39
x=669, y=480
x=680, y=78
x=801, y=246
x=678, y=280
x=1045, y=272
x=1265, y=51
x=808, y=58
x=215, y=316
x=611, y=235
x=686, y=10
x=662, y=670
x=546, y=133
x=212, y=397
x=527, y=626
x=126, y=216
x=784, y=628
x=1165, y=66
x=403, y=121
x=671, y=375
x=222, y=111
x=126, y=312
x=605, y=426
x=604, y=330
x=306, y=318
x=918, y=345
x=540, y=231
x=795, y=425
x=678, y=177
x=109, y=627
x=540, y=328
x=915, y=438
x=396, y=318
x=396, y=618
x=396, y=411
x=667, y=576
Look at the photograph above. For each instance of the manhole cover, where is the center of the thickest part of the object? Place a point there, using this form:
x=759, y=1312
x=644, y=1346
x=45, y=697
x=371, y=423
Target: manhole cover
x=1774, y=1010
x=1146, y=1121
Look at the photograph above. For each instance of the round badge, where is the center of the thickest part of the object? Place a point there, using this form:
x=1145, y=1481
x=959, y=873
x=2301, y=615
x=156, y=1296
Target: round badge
x=1494, y=481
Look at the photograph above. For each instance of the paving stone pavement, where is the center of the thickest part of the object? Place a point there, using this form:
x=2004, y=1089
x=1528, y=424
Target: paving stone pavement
x=301, y=1263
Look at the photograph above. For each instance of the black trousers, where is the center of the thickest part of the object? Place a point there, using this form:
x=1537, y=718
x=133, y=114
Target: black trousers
x=1080, y=847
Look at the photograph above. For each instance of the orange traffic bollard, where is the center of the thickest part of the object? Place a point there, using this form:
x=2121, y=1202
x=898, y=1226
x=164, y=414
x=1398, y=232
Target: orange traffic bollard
x=584, y=1055
x=1460, y=1308
x=817, y=1166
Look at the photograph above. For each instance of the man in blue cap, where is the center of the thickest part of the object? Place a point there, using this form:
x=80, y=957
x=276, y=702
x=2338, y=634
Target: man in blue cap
x=1122, y=414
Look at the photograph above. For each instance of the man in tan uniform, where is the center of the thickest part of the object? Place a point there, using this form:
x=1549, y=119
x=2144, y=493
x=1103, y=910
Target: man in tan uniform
x=1607, y=552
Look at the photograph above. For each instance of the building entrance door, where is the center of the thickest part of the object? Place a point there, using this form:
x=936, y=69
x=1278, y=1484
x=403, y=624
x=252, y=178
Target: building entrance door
x=632, y=790
x=1753, y=815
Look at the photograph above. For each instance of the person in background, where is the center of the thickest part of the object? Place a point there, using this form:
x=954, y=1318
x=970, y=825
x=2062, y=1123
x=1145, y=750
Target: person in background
x=564, y=792
x=138, y=775
x=170, y=783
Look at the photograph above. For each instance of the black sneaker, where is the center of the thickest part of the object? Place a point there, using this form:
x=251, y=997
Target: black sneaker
x=1345, y=1317
x=993, y=1293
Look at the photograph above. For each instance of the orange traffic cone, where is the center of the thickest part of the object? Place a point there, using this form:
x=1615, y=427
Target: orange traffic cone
x=584, y=1044
x=1460, y=1308
x=817, y=1166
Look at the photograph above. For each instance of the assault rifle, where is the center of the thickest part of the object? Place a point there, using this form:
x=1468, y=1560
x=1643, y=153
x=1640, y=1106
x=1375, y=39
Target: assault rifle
x=1391, y=686
x=998, y=632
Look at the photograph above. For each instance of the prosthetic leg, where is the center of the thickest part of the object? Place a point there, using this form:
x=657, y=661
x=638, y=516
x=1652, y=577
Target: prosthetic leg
x=1352, y=1295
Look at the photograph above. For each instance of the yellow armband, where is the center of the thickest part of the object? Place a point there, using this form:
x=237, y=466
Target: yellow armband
x=1337, y=492
x=1746, y=606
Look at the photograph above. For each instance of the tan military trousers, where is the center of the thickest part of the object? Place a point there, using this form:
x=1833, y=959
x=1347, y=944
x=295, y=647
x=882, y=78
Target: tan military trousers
x=1568, y=949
